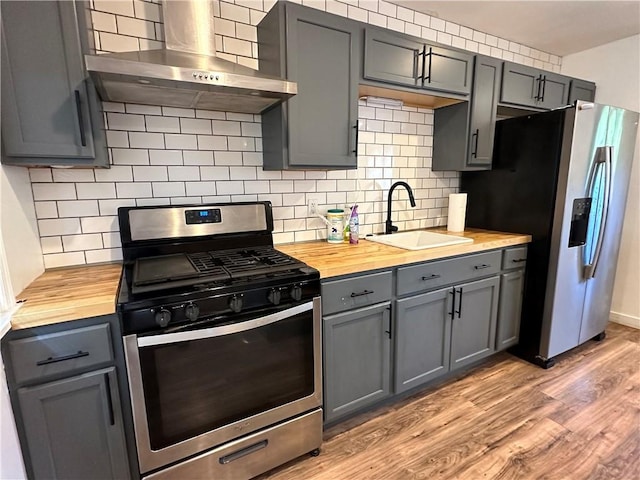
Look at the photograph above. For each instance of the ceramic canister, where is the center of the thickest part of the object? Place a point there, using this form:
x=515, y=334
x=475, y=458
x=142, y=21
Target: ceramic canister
x=335, y=217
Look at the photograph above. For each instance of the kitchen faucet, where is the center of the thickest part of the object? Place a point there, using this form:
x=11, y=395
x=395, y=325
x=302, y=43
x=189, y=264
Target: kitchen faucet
x=389, y=227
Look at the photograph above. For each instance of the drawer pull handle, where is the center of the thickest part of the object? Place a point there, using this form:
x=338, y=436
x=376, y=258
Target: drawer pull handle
x=360, y=294
x=519, y=260
x=243, y=452
x=62, y=358
x=430, y=277
x=480, y=267
x=453, y=303
x=459, y=311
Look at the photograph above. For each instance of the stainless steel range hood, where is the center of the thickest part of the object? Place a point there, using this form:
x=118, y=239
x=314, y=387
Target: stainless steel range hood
x=186, y=73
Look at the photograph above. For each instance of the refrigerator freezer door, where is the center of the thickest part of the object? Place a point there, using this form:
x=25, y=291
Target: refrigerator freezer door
x=566, y=287
x=621, y=131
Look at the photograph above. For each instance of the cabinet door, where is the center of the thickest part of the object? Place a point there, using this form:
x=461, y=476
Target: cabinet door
x=357, y=359
x=448, y=70
x=521, y=85
x=74, y=429
x=508, y=329
x=554, y=92
x=392, y=58
x=581, y=90
x=473, y=329
x=45, y=110
x=422, y=336
x=486, y=88
x=322, y=117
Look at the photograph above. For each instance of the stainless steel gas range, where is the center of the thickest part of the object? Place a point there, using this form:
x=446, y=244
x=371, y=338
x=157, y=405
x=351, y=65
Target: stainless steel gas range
x=222, y=342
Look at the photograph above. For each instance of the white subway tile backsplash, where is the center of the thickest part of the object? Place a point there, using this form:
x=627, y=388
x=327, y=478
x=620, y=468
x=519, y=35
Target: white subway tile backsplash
x=46, y=209
x=212, y=142
x=117, y=173
x=146, y=140
x=245, y=144
x=163, y=124
x=256, y=186
x=178, y=112
x=125, y=121
x=193, y=157
x=51, y=245
x=96, y=190
x=104, y=255
x=74, y=243
x=136, y=27
x=105, y=22
x=61, y=175
x=166, y=157
x=58, y=226
x=200, y=188
x=54, y=191
x=150, y=174
x=181, y=141
x=99, y=224
x=234, y=13
x=40, y=175
x=146, y=10
x=183, y=173
x=242, y=173
x=214, y=173
x=116, y=138
x=114, y=6
x=228, y=158
x=168, y=189
x=63, y=259
x=112, y=42
x=133, y=190
x=230, y=188
x=195, y=125
x=77, y=208
x=223, y=127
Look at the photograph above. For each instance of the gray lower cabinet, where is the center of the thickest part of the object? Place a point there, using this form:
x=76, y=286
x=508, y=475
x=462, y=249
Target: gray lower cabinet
x=582, y=90
x=474, y=321
x=529, y=87
x=511, y=289
x=357, y=359
x=74, y=427
x=403, y=60
x=463, y=132
x=422, y=338
x=49, y=106
x=318, y=127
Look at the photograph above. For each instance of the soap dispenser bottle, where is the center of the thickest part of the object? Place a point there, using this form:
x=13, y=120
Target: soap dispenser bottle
x=354, y=223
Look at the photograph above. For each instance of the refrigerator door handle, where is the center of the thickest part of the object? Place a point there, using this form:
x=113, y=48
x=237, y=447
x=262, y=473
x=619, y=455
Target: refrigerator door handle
x=602, y=159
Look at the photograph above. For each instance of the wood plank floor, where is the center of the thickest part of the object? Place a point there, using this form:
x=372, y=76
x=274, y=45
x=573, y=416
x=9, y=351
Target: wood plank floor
x=507, y=419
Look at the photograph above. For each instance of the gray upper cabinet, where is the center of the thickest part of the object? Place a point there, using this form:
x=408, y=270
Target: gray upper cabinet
x=529, y=87
x=318, y=127
x=357, y=359
x=74, y=427
x=582, y=90
x=463, y=132
x=46, y=100
x=474, y=324
x=422, y=337
x=408, y=61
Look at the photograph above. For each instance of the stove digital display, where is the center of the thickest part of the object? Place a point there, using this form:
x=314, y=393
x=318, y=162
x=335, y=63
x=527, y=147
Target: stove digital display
x=209, y=215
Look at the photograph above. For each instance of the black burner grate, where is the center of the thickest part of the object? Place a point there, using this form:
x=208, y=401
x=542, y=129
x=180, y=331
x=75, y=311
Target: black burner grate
x=245, y=262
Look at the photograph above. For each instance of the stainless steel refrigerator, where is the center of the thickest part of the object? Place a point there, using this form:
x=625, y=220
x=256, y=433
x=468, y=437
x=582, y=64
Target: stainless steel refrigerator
x=561, y=176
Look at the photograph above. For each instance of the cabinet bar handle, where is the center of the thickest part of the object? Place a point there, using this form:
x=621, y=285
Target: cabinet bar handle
x=355, y=150
x=430, y=277
x=62, y=358
x=519, y=260
x=475, y=143
x=459, y=311
x=480, y=267
x=112, y=420
x=453, y=303
x=83, y=138
x=388, y=332
x=537, y=96
x=428, y=77
x=243, y=452
x=544, y=84
x=360, y=294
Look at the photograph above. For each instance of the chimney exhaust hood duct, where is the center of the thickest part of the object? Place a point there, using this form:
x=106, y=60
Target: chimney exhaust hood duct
x=187, y=72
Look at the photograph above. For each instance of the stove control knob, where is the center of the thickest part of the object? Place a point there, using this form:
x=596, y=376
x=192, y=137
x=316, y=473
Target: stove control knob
x=163, y=316
x=296, y=293
x=235, y=303
x=192, y=311
x=274, y=296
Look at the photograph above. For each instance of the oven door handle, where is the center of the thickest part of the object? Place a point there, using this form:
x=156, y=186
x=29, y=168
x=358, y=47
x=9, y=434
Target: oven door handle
x=223, y=330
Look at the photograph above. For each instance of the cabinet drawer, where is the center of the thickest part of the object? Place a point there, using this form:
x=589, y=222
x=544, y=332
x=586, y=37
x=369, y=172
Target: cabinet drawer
x=341, y=295
x=514, y=258
x=47, y=355
x=431, y=275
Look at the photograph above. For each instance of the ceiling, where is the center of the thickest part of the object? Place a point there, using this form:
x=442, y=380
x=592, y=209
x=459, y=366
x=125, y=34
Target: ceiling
x=557, y=27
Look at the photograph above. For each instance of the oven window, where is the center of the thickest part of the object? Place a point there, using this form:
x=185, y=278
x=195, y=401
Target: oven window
x=193, y=387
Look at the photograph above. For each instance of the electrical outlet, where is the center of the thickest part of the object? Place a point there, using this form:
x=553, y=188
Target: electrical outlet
x=312, y=207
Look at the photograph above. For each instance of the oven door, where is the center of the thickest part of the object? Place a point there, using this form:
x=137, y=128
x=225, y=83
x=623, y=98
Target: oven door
x=196, y=389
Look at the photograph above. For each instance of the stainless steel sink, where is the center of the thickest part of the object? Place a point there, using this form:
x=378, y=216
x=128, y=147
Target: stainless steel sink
x=419, y=240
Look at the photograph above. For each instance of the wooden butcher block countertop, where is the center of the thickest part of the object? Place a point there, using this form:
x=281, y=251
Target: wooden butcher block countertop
x=333, y=260
x=69, y=293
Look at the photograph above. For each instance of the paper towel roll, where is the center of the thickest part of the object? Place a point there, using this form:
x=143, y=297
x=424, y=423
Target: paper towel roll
x=457, y=212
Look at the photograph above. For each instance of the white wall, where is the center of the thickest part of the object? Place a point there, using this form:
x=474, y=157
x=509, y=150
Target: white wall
x=615, y=68
x=18, y=227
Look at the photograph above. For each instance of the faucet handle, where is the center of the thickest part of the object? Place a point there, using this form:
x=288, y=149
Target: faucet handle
x=394, y=228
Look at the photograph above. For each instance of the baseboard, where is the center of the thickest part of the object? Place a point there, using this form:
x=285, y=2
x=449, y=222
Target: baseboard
x=628, y=320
